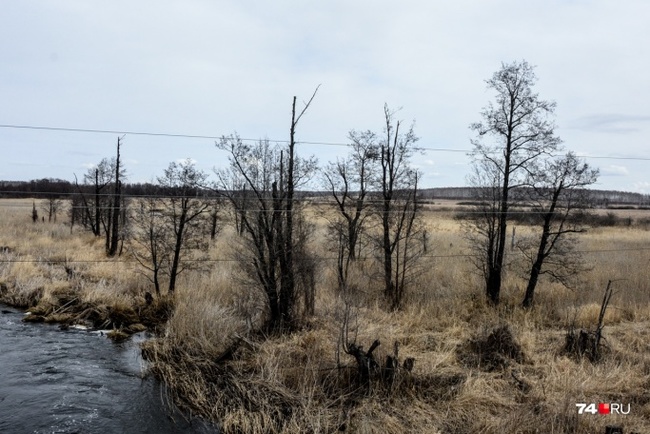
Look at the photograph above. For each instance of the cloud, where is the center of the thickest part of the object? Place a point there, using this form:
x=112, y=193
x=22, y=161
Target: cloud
x=614, y=170
x=613, y=123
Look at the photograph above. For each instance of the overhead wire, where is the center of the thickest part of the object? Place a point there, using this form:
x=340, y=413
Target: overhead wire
x=218, y=137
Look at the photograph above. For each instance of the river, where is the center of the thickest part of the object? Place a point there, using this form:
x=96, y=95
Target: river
x=76, y=381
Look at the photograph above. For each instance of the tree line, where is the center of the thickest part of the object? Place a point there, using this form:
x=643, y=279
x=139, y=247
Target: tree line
x=375, y=205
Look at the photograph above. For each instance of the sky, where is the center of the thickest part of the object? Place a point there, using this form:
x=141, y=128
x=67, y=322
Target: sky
x=212, y=68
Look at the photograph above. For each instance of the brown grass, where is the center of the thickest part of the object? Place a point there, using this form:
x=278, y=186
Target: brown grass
x=217, y=365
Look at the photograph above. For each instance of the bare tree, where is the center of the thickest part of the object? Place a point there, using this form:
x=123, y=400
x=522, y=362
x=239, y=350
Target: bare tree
x=97, y=210
x=482, y=232
x=398, y=210
x=115, y=209
x=215, y=211
x=348, y=180
x=151, y=241
x=269, y=220
x=521, y=130
x=95, y=207
x=34, y=213
x=255, y=166
x=182, y=209
x=51, y=206
x=556, y=190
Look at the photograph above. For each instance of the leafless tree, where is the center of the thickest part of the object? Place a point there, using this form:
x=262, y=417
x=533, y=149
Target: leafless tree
x=95, y=207
x=51, y=206
x=114, y=235
x=349, y=180
x=103, y=209
x=397, y=209
x=215, y=211
x=269, y=176
x=34, y=213
x=483, y=228
x=521, y=130
x=182, y=208
x=556, y=191
x=151, y=241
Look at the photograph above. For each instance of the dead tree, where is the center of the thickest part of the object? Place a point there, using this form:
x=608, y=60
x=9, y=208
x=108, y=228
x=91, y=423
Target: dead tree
x=97, y=203
x=115, y=209
x=384, y=373
x=34, y=213
x=270, y=176
x=588, y=342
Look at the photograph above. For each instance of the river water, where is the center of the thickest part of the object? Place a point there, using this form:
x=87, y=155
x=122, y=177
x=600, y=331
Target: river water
x=75, y=381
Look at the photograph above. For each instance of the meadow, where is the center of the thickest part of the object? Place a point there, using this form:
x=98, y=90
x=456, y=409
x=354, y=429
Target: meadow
x=474, y=368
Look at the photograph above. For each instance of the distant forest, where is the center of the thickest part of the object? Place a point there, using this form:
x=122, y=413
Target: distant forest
x=59, y=188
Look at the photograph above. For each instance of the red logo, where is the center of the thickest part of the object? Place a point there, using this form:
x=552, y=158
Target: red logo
x=603, y=408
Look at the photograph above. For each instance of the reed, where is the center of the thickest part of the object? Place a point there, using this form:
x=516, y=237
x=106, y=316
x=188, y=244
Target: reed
x=218, y=364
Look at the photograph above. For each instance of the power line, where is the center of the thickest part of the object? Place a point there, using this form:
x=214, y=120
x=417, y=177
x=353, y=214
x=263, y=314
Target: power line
x=211, y=137
x=154, y=134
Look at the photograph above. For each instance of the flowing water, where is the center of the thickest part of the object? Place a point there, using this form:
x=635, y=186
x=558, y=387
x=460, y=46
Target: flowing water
x=76, y=381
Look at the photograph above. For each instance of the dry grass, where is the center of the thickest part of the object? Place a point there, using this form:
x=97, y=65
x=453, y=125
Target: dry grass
x=218, y=366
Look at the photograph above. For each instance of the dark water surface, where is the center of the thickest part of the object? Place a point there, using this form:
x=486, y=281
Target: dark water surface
x=75, y=381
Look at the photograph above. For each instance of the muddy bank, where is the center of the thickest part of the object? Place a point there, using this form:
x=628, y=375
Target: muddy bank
x=64, y=305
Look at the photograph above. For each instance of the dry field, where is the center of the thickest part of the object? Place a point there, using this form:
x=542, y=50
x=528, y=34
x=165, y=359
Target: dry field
x=216, y=365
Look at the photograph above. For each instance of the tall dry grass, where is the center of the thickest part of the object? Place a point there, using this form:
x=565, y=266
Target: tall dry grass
x=217, y=364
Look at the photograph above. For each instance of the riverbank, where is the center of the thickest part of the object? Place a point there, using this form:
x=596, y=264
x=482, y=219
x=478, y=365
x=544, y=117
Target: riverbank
x=217, y=364
x=71, y=299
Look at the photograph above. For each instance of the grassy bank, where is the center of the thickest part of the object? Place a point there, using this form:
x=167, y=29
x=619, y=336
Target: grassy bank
x=475, y=369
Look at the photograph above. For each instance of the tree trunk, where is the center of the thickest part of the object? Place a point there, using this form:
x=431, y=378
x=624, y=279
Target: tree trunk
x=213, y=225
x=96, y=229
x=352, y=238
x=532, y=280
x=117, y=198
x=494, y=285
x=496, y=273
x=177, y=247
x=541, y=251
x=389, y=288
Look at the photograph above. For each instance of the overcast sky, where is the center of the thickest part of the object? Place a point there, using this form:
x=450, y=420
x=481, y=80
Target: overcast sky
x=211, y=68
